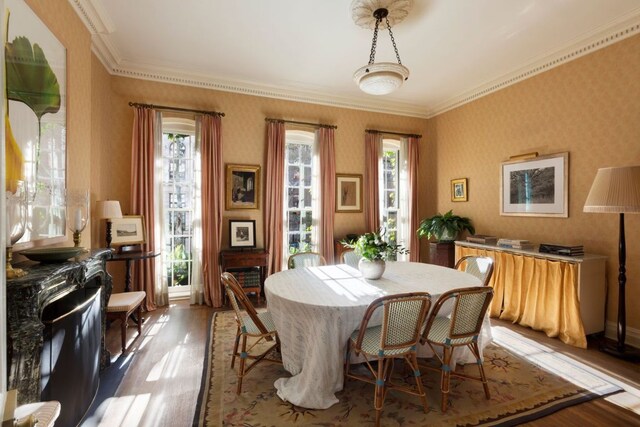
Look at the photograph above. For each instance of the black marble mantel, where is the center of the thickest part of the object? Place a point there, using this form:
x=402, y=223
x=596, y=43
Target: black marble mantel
x=26, y=299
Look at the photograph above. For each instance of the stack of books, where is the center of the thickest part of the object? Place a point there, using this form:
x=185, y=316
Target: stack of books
x=573, y=250
x=483, y=239
x=515, y=244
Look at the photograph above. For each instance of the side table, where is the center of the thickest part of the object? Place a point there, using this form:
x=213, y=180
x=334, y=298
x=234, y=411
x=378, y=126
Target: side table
x=442, y=253
x=246, y=259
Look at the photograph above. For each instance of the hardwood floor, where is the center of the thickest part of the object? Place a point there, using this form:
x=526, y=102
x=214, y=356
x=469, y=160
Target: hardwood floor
x=162, y=383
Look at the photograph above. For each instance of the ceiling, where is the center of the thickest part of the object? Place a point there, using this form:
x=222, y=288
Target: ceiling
x=307, y=50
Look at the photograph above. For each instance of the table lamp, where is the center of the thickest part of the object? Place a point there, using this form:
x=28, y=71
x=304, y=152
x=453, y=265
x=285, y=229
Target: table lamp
x=77, y=212
x=108, y=209
x=617, y=190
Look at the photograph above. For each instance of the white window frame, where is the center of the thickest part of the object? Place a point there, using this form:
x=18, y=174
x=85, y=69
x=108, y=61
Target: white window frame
x=401, y=208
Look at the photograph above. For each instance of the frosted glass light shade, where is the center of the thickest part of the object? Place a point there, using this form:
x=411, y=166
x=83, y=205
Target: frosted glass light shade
x=108, y=209
x=381, y=78
x=615, y=190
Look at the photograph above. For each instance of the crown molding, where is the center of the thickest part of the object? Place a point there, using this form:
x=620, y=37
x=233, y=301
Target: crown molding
x=626, y=26
x=97, y=21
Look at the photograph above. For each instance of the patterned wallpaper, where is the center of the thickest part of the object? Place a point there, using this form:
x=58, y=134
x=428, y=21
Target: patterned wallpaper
x=589, y=107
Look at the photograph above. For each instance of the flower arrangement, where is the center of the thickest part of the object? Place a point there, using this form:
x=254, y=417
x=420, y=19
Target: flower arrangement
x=373, y=247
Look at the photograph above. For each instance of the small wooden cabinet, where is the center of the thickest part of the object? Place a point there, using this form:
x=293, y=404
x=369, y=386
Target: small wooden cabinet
x=234, y=261
x=442, y=253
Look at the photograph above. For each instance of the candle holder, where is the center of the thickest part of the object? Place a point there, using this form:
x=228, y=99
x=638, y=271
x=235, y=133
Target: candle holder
x=16, y=204
x=77, y=212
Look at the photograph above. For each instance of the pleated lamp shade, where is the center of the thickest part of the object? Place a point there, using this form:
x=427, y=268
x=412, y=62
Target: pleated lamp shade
x=615, y=190
x=106, y=209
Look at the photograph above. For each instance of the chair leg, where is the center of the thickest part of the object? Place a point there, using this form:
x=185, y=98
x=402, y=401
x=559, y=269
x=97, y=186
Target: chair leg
x=413, y=359
x=483, y=377
x=347, y=364
x=123, y=331
x=243, y=359
x=139, y=314
x=378, y=399
x=235, y=347
x=446, y=376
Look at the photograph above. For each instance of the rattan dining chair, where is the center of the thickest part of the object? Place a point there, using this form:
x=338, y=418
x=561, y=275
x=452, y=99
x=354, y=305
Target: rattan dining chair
x=479, y=266
x=397, y=337
x=351, y=258
x=305, y=259
x=251, y=324
x=461, y=328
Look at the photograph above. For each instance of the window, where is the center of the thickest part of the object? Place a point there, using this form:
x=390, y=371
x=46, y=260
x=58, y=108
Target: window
x=394, y=209
x=300, y=193
x=178, y=178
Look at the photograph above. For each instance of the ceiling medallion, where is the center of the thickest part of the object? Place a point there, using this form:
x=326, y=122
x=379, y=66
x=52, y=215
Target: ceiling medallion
x=384, y=77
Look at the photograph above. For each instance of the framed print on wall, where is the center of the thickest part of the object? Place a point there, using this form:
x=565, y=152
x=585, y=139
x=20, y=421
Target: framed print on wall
x=242, y=233
x=348, y=193
x=128, y=230
x=459, y=190
x=243, y=187
x=536, y=187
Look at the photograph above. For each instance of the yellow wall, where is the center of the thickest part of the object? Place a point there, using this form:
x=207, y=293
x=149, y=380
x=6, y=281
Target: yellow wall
x=589, y=107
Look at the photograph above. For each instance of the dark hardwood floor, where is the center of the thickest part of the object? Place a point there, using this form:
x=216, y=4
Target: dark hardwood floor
x=161, y=385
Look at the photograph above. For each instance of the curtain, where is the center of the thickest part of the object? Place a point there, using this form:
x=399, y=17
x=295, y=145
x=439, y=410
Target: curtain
x=146, y=131
x=273, y=194
x=373, y=155
x=212, y=205
x=413, y=221
x=535, y=292
x=325, y=137
x=196, y=279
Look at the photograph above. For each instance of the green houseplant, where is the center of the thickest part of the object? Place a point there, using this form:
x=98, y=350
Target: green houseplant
x=445, y=228
x=374, y=251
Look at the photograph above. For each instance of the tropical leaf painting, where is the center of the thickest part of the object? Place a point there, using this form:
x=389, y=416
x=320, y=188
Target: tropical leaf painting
x=35, y=118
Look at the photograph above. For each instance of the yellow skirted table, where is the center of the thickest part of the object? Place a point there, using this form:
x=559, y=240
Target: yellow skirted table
x=539, y=292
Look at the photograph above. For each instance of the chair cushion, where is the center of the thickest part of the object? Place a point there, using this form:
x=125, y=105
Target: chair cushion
x=371, y=342
x=125, y=301
x=439, y=332
x=265, y=318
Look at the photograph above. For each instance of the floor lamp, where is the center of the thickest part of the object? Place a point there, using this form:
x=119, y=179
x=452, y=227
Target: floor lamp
x=617, y=190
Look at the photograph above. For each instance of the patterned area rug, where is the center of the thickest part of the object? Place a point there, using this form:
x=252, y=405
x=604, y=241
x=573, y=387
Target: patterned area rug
x=520, y=391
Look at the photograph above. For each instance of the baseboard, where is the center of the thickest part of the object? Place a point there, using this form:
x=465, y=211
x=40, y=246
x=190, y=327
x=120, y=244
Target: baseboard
x=632, y=337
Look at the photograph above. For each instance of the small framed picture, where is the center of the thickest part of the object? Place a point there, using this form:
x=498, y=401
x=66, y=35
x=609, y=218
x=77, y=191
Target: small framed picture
x=128, y=230
x=348, y=193
x=242, y=233
x=459, y=190
x=536, y=187
x=243, y=187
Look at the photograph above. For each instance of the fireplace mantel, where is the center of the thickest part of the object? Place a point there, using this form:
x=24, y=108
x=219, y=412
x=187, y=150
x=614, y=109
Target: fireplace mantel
x=26, y=299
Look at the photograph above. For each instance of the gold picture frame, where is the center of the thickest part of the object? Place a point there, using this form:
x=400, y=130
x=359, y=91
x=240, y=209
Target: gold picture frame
x=459, y=190
x=349, y=193
x=243, y=187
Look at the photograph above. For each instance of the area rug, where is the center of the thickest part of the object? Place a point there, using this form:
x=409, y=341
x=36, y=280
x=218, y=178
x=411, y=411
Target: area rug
x=520, y=391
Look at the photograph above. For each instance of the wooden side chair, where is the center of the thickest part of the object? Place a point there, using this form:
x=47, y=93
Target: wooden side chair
x=460, y=329
x=250, y=324
x=305, y=259
x=396, y=337
x=481, y=267
x=350, y=257
x=122, y=306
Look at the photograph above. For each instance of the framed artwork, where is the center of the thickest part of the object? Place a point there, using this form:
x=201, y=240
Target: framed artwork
x=35, y=64
x=242, y=233
x=128, y=230
x=348, y=193
x=459, y=190
x=243, y=187
x=536, y=187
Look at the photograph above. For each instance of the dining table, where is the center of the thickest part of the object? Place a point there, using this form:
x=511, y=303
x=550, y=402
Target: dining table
x=316, y=309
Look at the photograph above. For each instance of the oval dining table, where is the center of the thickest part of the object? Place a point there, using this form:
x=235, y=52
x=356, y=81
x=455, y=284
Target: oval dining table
x=316, y=309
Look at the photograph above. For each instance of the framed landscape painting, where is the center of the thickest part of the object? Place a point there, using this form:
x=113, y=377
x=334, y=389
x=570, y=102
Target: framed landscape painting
x=536, y=187
x=128, y=230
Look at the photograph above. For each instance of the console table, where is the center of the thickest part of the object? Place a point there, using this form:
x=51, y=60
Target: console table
x=560, y=295
x=58, y=310
x=246, y=259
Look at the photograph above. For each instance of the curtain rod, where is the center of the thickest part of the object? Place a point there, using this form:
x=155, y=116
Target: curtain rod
x=318, y=125
x=393, y=133
x=176, y=109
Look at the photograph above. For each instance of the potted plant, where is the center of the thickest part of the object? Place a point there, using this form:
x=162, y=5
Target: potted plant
x=445, y=228
x=374, y=251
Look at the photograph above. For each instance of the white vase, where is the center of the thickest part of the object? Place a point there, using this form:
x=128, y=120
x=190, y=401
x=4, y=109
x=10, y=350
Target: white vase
x=371, y=269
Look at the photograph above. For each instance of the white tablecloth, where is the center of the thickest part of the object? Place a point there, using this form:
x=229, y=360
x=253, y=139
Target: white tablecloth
x=316, y=309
